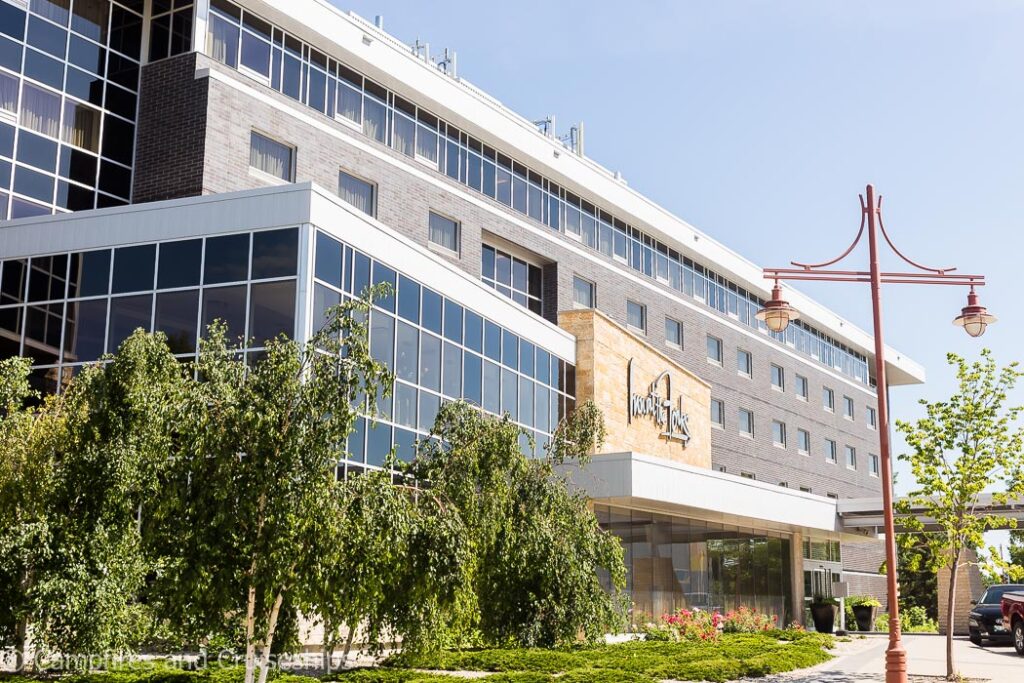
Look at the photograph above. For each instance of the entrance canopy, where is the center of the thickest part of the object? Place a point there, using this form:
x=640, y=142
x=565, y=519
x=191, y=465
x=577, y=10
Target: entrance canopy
x=865, y=515
x=642, y=482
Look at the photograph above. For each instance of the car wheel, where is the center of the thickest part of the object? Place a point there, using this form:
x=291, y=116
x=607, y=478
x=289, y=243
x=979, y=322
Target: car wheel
x=976, y=638
x=1018, y=636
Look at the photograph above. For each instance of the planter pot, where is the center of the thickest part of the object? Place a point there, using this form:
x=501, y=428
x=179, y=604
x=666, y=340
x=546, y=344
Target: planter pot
x=865, y=615
x=824, y=617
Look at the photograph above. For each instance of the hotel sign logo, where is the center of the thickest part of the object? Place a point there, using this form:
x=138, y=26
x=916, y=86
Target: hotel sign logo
x=672, y=420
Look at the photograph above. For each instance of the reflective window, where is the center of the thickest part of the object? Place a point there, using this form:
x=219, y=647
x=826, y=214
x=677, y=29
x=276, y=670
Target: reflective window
x=179, y=264
x=714, y=349
x=873, y=468
x=851, y=457
x=674, y=333
x=779, y=433
x=803, y=441
x=828, y=399
x=746, y=422
x=778, y=377
x=801, y=387
x=847, y=407
x=272, y=311
x=831, y=451
x=717, y=413
x=744, y=363
x=636, y=316
x=583, y=293
x=128, y=313
x=512, y=277
x=275, y=253
x=177, y=316
x=90, y=273
x=85, y=330
x=227, y=259
x=133, y=268
x=226, y=304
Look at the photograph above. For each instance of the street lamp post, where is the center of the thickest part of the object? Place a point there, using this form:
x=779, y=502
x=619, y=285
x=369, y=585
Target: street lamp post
x=777, y=314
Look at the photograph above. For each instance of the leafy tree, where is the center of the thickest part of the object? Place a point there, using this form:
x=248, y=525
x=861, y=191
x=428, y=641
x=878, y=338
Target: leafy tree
x=537, y=550
x=253, y=466
x=961, y=448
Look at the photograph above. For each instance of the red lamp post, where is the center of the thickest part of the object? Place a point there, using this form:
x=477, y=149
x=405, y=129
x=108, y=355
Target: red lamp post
x=974, y=318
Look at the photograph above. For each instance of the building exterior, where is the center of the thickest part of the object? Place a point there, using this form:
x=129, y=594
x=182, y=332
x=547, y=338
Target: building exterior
x=258, y=160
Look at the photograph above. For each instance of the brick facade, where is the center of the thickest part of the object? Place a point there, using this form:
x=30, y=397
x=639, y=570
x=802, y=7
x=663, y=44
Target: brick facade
x=172, y=131
x=407, y=191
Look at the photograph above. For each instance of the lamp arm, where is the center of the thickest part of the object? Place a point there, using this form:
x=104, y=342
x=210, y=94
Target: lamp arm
x=856, y=241
x=881, y=225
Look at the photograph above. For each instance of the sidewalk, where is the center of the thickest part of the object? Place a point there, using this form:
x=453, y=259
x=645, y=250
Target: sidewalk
x=863, y=661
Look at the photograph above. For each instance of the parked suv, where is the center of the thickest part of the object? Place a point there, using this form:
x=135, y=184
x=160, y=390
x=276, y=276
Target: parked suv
x=1013, y=616
x=986, y=618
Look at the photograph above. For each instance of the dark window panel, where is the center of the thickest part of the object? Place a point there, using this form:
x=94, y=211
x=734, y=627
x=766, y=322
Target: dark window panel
x=84, y=86
x=452, y=321
x=77, y=165
x=510, y=349
x=471, y=376
x=44, y=69
x=432, y=303
x=12, y=21
x=12, y=287
x=474, y=332
x=275, y=253
x=378, y=444
x=177, y=315
x=408, y=299
x=382, y=338
x=33, y=184
x=181, y=32
x=492, y=341
x=6, y=140
x=328, y=259
x=361, y=274
x=179, y=264
x=90, y=273
x=90, y=18
x=227, y=304
x=105, y=201
x=227, y=259
x=5, y=181
x=126, y=32
x=118, y=140
x=159, y=37
x=407, y=351
x=133, y=268
x=45, y=36
x=324, y=300
x=384, y=275
x=87, y=55
x=272, y=311
x=123, y=71
x=10, y=51
x=38, y=151
x=128, y=313
x=430, y=362
x=54, y=10
x=47, y=277
x=21, y=208
x=115, y=179
x=121, y=102
x=42, y=332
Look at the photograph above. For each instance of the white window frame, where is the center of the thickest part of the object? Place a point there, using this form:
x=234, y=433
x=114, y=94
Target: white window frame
x=848, y=408
x=749, y=372
x=593, y=293
x=803, y=396
x=270, y=177
x=782, y=432
x=799, y=448
x=831, y=451
x=831, y=405
x=781, y=386
x=742, y=412
x=721, y=412
x=874, y=465
x=674, y=344
x=721, y=351
x=643, y=314
x=458, y=234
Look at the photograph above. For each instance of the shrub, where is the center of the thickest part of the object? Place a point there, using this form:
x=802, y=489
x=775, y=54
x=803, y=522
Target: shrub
x=863, y=601
x=748, y=620
x=913, y=619
x=696, y=625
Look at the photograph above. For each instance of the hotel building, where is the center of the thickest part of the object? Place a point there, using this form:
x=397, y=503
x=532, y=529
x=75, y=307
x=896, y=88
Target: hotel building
x=167, y=162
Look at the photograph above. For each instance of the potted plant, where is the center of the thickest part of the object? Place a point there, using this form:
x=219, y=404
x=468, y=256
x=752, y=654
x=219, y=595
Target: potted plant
x=864, y=609
x=823, y=612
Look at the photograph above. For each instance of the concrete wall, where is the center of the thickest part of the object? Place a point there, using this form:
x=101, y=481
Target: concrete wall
x=604, y=350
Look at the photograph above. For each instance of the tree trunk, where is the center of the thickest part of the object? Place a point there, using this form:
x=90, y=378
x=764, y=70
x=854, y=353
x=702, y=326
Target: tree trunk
x=330, y=642
x=269, y=640
x=348, y=645
x=951, y=673
x=22, y=662
x=250, y=636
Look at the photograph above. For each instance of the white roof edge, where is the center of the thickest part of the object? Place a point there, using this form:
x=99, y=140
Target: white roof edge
x=391, y=61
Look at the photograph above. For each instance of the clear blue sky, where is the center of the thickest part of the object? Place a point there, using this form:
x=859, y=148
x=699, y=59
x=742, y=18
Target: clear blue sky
x=759, y=122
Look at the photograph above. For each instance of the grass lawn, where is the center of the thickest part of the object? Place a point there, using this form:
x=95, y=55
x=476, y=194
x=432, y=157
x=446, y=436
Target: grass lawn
x=732, y=656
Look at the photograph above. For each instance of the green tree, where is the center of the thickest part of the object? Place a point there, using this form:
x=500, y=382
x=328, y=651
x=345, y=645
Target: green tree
x=537, y=550
x=254, y=462
x=964, y=446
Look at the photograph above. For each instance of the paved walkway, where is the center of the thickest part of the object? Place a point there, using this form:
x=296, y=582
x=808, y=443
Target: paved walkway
x=863, y=661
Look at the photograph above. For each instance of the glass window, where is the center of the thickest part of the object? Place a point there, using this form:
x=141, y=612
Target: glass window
x=801, y=387
x=90, y=273
x=85, y=330
x=828, y=399
x=179, y=264
x=227, y=259
x=509, y=394
x=125, y=32
x=430, y=316
x=636, y=315
x=474, y=332
x=356, y=192
x=271, y=157
x=872, y=417
x=324, y=300
x=778, y=378
x=746, y=425
x=831, y=451
x=404, y=134
x=227, y=304
x=8, y=92
x=177, y=316
x=674, y=332
x=382, y=338
x=492, y=387
x=255, y=54
x=430, y=362
x=222, y=41
x=472, y=372
x=89, y=17
x=328, y=259
x=40, y=110
x=54, y=10
x=584, y=293
x=779, y=433
x=714, y=349
x=513, y=277
x=407, y=362
x=272, y=311
x=851, y=457
x=118, y=140
x=47, y=37
x=127, y=313
x=374, y=119
x=444, y=232
x=133, y=268
x=803, y=441
x=275, y=253
x=847, y=407
x=350, y=102
x=37, y=151
x=717, y=413
x=744, y=363
x=873, y=468
x=452, y=321
x=408, y=299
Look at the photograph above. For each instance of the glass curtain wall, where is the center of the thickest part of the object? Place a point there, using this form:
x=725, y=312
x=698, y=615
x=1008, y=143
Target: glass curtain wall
x=674, y=563
x=69, y=78
x=308, y=75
